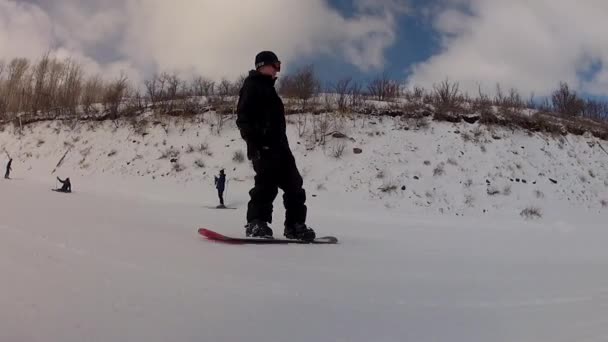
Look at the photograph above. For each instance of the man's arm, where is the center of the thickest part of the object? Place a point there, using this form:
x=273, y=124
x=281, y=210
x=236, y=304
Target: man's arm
x=247, y=116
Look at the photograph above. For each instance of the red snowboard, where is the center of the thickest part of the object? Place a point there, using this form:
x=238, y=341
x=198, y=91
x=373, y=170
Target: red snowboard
x=214, y=236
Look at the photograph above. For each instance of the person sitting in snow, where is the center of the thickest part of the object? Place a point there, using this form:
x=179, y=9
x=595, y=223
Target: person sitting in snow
x=66, y=185
x=220, y=185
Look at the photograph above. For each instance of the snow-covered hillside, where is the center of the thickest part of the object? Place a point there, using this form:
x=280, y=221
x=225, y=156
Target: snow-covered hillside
x=406, y=165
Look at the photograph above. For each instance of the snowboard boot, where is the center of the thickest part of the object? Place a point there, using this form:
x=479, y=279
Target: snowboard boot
x=221, y=206
x=257, y=228
x=299, y=231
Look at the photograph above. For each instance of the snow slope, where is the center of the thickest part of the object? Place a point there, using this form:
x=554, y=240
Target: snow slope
x=447, y=169
x=120, y=260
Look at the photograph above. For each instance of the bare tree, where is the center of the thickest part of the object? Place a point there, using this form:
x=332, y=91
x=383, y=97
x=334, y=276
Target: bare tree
x=155, y=88
x=595, y=109
x=342, y=89
x=302, y=85
x=39, y=78
x=447, y=97
x=71, y=87
x=202, y=86
x=566, y=101
x=224, y=89
x=91, y=94
x=382, y=88
x=356, y=95
x=17, y=70
x=114, y=94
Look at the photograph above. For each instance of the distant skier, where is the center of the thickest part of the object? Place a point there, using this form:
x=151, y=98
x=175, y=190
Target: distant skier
x=9, y=168
x=261, y=120
x=220, y=185
x=66, y=185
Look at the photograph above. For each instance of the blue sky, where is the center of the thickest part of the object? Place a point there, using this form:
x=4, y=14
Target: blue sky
x=415, y=42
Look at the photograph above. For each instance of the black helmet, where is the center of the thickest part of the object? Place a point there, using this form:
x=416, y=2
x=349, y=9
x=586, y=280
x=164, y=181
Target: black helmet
x=267, y=58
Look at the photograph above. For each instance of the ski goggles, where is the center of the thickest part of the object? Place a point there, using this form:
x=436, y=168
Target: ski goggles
x=276, y=65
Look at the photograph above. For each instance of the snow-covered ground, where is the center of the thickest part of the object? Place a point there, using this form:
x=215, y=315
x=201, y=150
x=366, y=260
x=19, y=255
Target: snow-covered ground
x=120, y=260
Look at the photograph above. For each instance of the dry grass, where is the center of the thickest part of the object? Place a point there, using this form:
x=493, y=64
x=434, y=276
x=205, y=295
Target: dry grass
x=337, y=150
x=531, y=213
x=492, y=191
x=238, y=157
x=178, y=167
x=439, y=170
x=169, y=153
x=199, y=163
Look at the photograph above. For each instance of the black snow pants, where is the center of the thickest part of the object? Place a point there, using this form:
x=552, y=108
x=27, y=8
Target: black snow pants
x=220, y=194
x=276, y=169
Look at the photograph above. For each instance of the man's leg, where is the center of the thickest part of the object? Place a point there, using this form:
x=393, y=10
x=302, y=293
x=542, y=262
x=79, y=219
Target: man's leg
x=294, y=197
x=264, y=192
x=220, y=194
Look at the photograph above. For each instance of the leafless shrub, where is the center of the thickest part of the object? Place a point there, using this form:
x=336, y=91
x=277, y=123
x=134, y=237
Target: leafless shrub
x=447, y=99
x=202, y=86
x=539, y=194
x=301, y=123
x=531, y=213
x=190, y=149
x=382, y=88
x=469, y=200
x=342, y=90
x=591, y=173
x=356, y=95
x=114, y=94
x=509, y=105
x=199, y=163
x=91, y=94
x=566, y=101
x=595, y=110
x=321, y=128
x=380, y=174
x=178, y=167
x=302, y=85
x=427, y=162
x=40, y=142
x=112, y=153
x=337, y=150
x=452, y=161
x=439, y=170
x=238, y=157
x=492, y=190
x=169, y=153
x=468, y=183
x=604, y=203
x=421, y=123
x=389, y=186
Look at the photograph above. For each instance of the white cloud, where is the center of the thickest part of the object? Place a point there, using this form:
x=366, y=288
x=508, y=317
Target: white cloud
x=215, y=38
x=528, y=44
x=24, y=30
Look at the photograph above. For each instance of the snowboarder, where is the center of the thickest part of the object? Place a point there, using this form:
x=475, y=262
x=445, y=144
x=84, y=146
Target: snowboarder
x=9, y=168
x=66, y=185
x=220, y=185
x=261, y=120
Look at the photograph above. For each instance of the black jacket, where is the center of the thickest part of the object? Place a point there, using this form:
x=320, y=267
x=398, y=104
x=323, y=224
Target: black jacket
x=261, y=114
x=220, y=182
